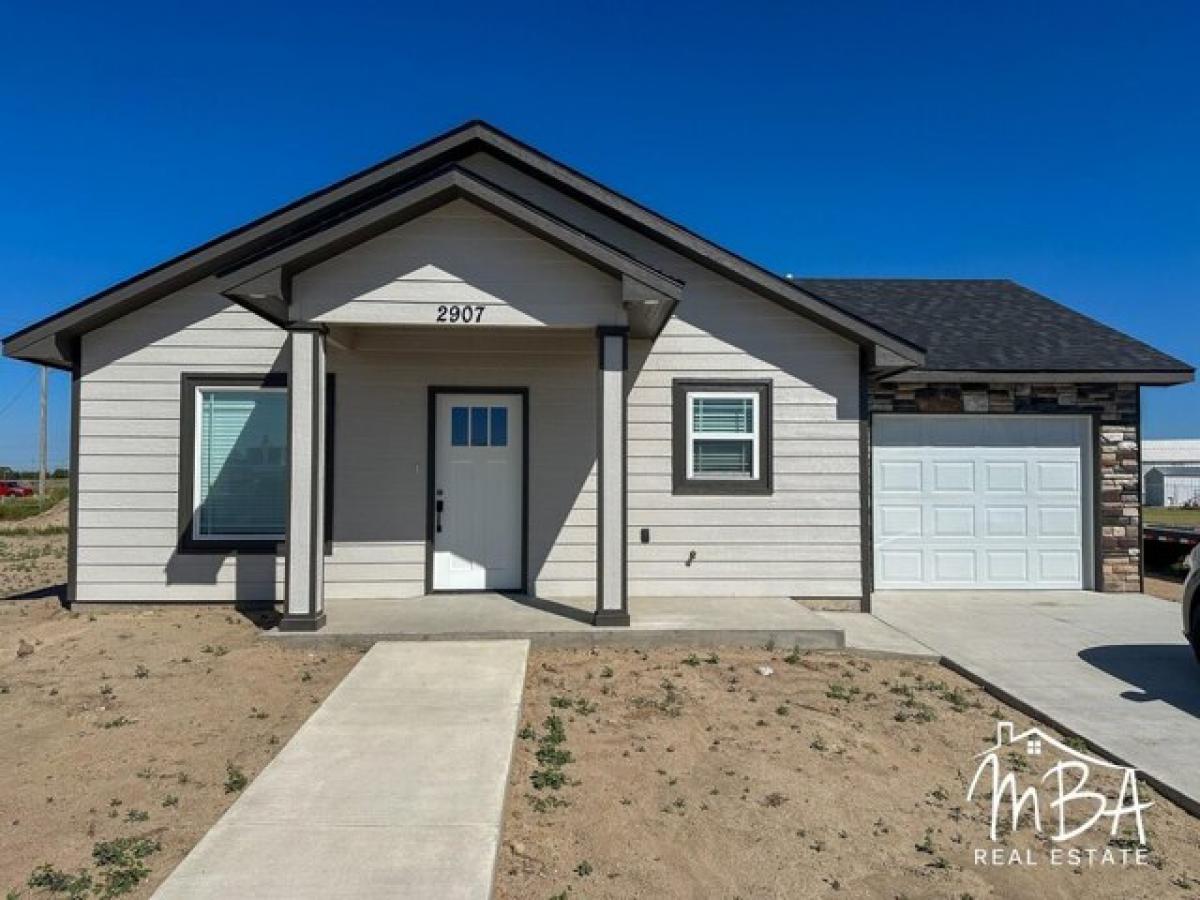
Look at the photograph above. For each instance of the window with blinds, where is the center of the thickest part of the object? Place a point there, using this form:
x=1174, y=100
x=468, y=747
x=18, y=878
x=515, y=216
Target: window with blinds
x=722, y=435
x=241, y=463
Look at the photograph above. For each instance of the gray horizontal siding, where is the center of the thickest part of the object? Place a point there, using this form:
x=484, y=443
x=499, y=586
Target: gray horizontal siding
x=802, y=540
x=721, y=331
x=129, y=450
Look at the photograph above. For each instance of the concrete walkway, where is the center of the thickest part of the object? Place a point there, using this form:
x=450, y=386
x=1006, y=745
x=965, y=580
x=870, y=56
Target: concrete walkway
x=869, y=636
x=394, y=788
x=1112, y=668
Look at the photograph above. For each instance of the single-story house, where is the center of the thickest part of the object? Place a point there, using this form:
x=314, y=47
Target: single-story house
x=471, y=367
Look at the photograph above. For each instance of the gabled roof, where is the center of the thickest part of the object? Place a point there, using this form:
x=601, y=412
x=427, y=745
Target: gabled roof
x=995, y=326
x=53, y=340
x=263, y=283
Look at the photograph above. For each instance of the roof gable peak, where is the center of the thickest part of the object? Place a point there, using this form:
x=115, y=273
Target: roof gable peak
x=51, y=340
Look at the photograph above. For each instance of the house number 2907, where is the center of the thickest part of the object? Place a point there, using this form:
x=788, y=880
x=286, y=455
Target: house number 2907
x=456, y=314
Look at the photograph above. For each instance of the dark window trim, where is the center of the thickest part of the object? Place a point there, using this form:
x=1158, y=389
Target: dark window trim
x=681, y=484
x=188, y=382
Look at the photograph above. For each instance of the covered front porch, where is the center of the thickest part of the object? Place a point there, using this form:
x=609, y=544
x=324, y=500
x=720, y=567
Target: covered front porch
x=456, y=462
x=677, y=621
x=457, y=387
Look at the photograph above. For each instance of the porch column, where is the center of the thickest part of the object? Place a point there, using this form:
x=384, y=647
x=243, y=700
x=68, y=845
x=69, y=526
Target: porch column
x=304, y=598
x=612, y=600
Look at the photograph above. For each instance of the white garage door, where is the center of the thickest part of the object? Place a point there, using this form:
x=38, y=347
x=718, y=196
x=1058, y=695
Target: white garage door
x=988, y=502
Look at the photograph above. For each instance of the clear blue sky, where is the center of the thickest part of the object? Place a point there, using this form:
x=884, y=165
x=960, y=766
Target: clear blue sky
x=1053, y=143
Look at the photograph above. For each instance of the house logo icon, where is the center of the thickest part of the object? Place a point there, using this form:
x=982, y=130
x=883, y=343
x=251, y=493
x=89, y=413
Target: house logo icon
x=1063, y=802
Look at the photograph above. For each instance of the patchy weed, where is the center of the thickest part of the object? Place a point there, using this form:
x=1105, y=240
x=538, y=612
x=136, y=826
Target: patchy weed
x=842, y=692
x=235, y=779
x=54, y=881
x=551, y=756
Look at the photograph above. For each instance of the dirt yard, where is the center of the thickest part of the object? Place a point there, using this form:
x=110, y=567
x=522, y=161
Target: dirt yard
x=1164, y=586
x=126, y=733
x=693, y=775
x=33, y=552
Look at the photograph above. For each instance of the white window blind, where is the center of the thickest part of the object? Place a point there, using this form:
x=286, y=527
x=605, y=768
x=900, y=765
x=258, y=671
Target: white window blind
x=722, y=435
x=726, y=415
x=241, y=465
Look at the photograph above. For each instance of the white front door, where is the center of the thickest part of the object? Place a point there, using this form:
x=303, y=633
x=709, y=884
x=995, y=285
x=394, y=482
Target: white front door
x=983, y=502
x=478, y=491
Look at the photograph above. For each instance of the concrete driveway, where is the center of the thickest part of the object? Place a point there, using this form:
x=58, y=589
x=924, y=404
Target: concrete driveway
x=1112, y=668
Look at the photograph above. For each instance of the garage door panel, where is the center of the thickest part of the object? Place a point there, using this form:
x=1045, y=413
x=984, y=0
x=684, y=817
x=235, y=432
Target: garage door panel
x=901, y=566
x=1007, y=566
x=1006, y=521
x=954, y=567
x=1059, y=566
x=1004, y=477
x=980, y=501
x=899, y=522
x=1058, y=522
x=950, y=477
x=900, y=476
x=1058, y=477
x=954, y=521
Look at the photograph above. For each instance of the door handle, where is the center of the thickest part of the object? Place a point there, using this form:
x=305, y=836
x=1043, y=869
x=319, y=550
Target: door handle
x=439, y=506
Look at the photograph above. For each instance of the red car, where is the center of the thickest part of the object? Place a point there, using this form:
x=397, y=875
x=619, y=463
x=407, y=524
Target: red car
x=15, y=489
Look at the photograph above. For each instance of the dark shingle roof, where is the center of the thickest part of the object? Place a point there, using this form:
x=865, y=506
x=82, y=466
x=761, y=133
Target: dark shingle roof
x=990, y=325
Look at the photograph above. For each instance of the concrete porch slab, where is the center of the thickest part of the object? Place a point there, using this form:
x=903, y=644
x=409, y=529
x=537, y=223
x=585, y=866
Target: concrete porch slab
x=393, y=788
x=685, y=621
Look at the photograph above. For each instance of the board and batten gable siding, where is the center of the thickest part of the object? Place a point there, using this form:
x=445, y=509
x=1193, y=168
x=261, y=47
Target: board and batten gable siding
x=458, y=254
x=803, y=540
x=129, y=428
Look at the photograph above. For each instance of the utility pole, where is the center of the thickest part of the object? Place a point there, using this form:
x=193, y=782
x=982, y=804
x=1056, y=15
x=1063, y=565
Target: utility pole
x=42, y=438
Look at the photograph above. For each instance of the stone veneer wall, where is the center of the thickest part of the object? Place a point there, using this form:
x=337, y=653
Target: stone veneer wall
x=1118, y=409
